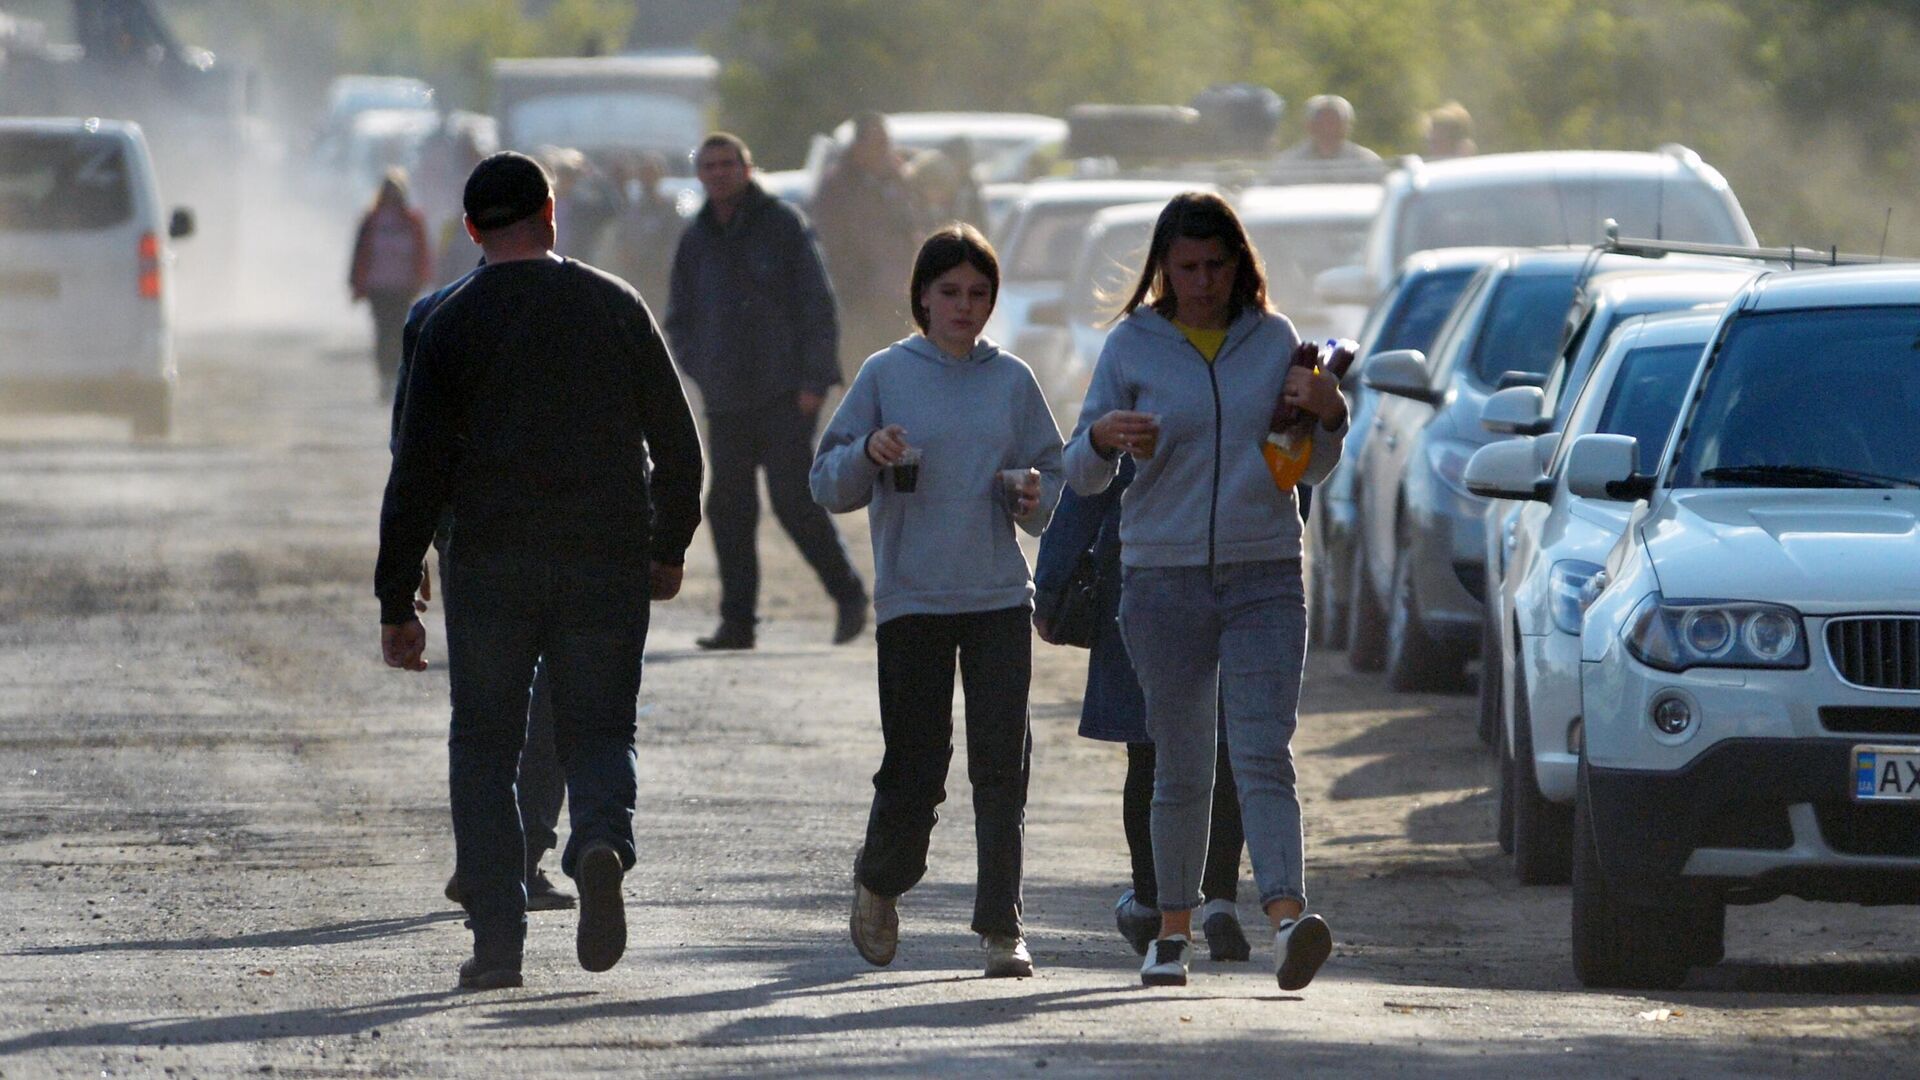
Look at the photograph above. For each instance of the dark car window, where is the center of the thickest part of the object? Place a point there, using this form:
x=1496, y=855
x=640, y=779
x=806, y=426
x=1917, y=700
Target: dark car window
x=1421, y=308
x=1646, y=396
x=62, y=182
x=1570, y=211
x=1822, y=399
x=1523, y=326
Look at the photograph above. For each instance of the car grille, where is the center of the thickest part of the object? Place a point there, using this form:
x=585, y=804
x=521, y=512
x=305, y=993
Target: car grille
x=1869, y=720
x=1856, y=829
x=1878, y=654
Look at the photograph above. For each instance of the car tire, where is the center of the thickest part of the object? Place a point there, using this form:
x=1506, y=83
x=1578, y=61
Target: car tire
x=1414, y=660
x=1367, y=631
x=1619, y=944
x=1490, y=720
x=152, y=415
x=1542, y=830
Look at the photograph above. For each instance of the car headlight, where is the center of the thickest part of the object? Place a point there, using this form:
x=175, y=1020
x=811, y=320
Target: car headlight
x=1678, y=635
x=1572, y=587
x=1448, y=459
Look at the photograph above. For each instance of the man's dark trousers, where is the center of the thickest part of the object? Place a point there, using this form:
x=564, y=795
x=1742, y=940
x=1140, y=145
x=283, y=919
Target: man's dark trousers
x=586, y=625
x=778, y=438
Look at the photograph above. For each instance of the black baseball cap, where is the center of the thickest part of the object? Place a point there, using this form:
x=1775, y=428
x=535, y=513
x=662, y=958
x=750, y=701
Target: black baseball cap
x=505, y=188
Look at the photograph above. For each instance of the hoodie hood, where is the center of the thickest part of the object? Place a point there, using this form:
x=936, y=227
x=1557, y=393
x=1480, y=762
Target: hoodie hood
x=1820, y=551
x=1152, y=322
x=920, y=345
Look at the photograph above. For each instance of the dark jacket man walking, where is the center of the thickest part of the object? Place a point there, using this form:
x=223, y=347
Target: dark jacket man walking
x=751, y=317
x=543, y=411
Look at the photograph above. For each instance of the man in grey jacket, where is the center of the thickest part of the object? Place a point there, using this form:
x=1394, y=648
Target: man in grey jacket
x=751, y=319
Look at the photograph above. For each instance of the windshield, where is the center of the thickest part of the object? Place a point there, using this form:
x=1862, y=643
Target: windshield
x=1523, y=326
x=1646, y=395
x=1424, y=305
x=61, y=183
x=1045, y=248
x=1295, y=252
x=1570, y=212
x=1109, y=269
x=1816, y=399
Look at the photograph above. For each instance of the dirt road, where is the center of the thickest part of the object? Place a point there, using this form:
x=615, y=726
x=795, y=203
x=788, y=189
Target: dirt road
x=224, y=832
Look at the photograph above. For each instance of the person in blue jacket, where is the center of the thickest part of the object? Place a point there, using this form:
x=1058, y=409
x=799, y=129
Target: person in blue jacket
x=1113, y=710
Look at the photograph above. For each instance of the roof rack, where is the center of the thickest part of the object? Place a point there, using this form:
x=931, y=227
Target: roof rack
x=1792, y=257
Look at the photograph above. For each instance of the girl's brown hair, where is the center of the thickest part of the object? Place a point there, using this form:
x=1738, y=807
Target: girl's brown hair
x=1199, y=215
x=948, y=247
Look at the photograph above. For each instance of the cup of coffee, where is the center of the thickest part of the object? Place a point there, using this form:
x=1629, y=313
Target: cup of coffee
x=1145, y=445
x=906, y=471
x=1013, y=483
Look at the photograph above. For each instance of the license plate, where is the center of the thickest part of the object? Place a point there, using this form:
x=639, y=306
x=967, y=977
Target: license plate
x=1886, y=773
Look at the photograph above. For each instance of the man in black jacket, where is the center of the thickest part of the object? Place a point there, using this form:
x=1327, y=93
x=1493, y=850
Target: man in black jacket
x=751, y=316
x=544, y=412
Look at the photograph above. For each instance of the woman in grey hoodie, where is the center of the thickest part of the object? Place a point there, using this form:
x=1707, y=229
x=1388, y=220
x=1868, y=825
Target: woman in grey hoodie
x=948, y=443
x=1211, y=599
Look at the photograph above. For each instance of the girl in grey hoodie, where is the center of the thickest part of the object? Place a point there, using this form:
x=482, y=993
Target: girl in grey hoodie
x=1211, y=599
x=948, y=443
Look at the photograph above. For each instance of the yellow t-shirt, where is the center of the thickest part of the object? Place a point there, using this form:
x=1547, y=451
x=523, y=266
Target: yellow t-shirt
x=1207, y=341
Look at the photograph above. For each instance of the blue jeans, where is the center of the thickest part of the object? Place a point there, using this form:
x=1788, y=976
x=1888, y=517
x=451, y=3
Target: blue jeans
x=1238, y=631
x=586, y=627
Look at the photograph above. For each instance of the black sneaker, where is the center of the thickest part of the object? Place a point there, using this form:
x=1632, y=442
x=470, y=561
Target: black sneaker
x=1167, y=960
x=602, y=934
x=852, y=620
x=730, y=635
x=478, y=974
x=544, y=895
x=1300, y=946
x=1138, y=923
x=1225, y=939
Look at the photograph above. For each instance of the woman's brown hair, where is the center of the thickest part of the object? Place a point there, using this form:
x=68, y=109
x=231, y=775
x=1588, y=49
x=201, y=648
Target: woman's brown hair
x=948, y=247
x=1199, y=215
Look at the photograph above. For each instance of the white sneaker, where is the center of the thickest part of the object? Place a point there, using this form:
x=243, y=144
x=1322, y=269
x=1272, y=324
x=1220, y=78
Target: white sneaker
x=1166, y=963
x=1300, y=946
x=1007, y=956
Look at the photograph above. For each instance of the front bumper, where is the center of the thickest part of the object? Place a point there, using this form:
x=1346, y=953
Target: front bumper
x=1749, y=820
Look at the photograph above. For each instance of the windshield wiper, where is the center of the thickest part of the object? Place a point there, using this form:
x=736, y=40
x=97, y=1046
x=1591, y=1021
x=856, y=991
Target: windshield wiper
x=1803, y=476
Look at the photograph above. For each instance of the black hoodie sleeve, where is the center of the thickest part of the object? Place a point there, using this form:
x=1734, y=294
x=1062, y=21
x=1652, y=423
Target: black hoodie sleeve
x=673, y=442
x=420, y=482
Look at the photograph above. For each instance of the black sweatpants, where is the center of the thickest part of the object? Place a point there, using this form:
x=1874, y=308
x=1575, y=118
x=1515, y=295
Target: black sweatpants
x=917, y=653
x=1221, y=879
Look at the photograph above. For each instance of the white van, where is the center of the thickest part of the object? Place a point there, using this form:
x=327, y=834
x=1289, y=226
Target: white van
x=86, y=291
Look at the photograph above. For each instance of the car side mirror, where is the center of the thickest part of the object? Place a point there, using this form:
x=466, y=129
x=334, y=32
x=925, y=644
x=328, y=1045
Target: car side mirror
x=1517, y=410
x=1506, y=470
x=1520, y=378
x=1402, y=373
x=1048, y=313
x=1346, y=285
x=180, y=225
x=1605, y=467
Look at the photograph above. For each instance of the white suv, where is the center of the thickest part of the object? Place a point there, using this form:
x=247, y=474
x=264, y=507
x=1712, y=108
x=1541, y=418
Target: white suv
x=85, y=273
x=1750, y=676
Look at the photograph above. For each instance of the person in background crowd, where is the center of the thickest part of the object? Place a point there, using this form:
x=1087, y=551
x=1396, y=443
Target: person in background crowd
x=583, y=204
x=543, y=414
x=943, y=185
x=1112, y=709
x=1448, y=131
x=639, y=245
x=392, y=262
x=1212, y=606
x=869, y=229
x=1329, y=119
x=751, y=317
x=948, y=442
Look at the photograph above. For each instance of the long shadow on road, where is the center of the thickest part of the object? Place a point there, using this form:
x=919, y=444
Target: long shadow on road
x=342, y=933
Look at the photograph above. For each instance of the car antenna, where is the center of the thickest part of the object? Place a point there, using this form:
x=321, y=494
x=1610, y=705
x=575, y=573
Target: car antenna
x=1885, y=228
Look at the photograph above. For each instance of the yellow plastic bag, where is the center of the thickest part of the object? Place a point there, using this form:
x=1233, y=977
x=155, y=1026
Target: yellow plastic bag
x=1287, y=454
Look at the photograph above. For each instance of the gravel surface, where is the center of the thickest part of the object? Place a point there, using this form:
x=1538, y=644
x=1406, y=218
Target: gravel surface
x=224, y=830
